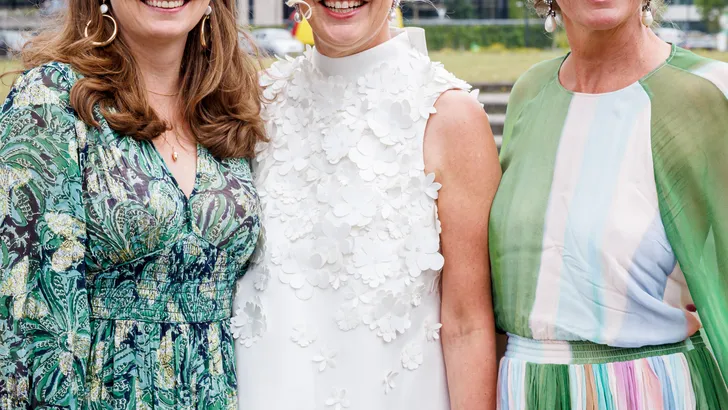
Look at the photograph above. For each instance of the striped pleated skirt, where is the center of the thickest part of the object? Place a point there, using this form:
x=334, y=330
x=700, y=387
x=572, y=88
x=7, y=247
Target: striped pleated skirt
x=555, y=375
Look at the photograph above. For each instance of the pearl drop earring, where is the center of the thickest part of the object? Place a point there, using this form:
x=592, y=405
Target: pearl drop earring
x=647, y=18
x=550, y=23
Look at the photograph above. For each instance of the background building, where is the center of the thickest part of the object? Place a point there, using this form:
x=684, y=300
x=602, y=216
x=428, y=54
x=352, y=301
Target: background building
x=682, y=14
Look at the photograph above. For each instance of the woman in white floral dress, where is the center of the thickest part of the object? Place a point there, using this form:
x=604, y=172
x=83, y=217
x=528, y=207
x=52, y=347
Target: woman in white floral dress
x=342, y=308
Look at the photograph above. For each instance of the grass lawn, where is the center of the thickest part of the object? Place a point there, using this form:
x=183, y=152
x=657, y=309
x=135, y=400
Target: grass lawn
x=5, y=82
x=484, y=66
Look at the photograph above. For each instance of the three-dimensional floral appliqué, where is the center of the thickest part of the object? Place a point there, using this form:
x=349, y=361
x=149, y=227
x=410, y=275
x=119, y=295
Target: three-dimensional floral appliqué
x=412, y=356
x=249, y=323
x=338, y=400
x=343, y=186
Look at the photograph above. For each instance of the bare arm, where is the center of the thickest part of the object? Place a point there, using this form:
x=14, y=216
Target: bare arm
x=460, y=149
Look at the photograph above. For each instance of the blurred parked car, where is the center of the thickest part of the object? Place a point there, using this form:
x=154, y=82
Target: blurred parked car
x=277, y=42
x=702, y=41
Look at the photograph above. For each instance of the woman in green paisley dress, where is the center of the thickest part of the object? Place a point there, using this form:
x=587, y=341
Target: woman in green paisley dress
x=127, y=210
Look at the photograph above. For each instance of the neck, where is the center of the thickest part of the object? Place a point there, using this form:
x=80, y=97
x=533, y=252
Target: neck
x=381, y=37
x=159, y=63
x=608, y=60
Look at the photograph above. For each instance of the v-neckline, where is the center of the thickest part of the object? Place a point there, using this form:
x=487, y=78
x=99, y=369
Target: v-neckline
x=169, y=173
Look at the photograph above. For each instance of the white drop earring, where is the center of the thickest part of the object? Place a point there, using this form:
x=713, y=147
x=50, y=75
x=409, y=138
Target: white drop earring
x=393, y=11
x=647, y=18
x=297, y=17
x=550, y=23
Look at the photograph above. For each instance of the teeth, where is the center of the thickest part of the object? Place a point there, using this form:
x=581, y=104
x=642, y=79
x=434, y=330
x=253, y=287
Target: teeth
x=343, y=6
x=165, y=4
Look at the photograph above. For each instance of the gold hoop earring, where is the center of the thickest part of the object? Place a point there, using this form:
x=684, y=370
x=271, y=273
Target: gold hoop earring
x=203, y=38
x=104, y=14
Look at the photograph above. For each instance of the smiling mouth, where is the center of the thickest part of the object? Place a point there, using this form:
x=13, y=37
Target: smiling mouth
x=165, y=4
x=343, y=7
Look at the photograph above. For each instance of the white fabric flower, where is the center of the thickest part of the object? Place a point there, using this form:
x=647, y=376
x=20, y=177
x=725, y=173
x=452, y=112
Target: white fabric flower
x=325, y=359
x=425, y=188
x=348, y=318
x=357, y=206
x=422, y=253
x=338, y=141
x=390, y=316
x=374, y=158
x=293, y=156
x=412, y=356
x=303, y=335
x=389, y=383
x=338, y=399
x=319, y=169
x=415, y=292
x=300, y=273
x=261, y=277
x=358, y=294
x=330, y=249
x=249, y=323
x=372, y=262
x=292, y=191
x=432, y=330
x=392, y=121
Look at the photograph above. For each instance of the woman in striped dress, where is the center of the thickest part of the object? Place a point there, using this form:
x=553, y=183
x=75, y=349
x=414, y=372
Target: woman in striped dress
x=610, y=226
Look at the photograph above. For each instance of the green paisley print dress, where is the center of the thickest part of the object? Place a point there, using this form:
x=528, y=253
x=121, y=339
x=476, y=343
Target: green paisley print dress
x=116, y=288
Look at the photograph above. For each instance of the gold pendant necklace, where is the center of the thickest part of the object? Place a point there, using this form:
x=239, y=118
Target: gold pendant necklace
x=175, y=154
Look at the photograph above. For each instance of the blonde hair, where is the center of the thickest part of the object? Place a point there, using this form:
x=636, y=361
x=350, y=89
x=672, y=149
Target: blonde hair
x=542, y=7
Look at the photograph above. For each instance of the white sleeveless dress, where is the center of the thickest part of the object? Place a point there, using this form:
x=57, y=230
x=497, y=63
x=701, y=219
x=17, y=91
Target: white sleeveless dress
x=340, y=309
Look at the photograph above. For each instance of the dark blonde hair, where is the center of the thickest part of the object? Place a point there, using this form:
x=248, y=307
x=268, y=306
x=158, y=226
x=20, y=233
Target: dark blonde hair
x=218, y=85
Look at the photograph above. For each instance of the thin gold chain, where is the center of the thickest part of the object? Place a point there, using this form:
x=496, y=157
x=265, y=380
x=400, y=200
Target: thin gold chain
x=163, y=95
x=178, y=137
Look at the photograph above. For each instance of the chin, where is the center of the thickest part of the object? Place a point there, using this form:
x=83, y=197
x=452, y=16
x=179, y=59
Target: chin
x=343, y=38
x=165, y=30
x=604, y=20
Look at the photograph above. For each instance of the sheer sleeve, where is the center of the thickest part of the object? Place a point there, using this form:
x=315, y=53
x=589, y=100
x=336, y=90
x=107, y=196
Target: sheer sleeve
x=690, y=149
x=44, y=312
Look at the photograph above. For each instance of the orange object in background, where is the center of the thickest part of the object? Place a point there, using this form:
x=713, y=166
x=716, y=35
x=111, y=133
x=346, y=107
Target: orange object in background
x=302, y=31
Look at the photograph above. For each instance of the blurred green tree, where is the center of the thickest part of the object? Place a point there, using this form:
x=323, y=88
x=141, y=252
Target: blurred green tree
x=460, y=9
x=711, y=11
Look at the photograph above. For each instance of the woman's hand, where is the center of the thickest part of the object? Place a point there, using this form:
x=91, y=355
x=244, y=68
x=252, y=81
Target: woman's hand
x=460, y=150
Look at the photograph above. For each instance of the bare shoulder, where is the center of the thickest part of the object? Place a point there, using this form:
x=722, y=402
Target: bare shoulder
x=458, y=131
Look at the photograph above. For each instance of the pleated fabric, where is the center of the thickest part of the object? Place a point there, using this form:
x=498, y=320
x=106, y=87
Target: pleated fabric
x=161, y=366
x=550, y=375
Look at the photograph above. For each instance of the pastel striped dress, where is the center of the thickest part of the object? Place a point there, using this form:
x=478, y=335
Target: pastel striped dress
x=611, y=219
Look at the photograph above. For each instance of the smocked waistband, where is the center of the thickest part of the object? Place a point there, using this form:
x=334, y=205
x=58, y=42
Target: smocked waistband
x=582, y=352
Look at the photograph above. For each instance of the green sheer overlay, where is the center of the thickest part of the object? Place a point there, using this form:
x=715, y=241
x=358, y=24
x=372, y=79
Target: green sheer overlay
x=690, y=149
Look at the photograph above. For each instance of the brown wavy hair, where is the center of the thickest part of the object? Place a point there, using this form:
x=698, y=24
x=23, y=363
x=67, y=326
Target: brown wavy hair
x=218, y=85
